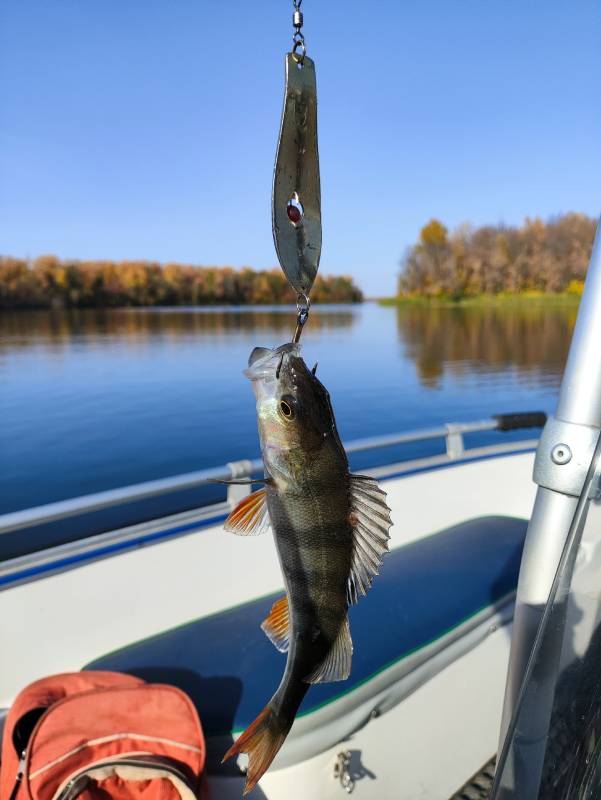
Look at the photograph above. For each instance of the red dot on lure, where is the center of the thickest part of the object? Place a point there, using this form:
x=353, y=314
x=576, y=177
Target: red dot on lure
x=294, y=210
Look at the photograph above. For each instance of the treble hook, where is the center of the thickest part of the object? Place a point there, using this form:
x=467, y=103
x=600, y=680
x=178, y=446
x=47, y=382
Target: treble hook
x=303, y=304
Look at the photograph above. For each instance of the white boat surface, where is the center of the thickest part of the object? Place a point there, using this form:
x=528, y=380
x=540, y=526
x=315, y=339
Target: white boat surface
x=178, y=600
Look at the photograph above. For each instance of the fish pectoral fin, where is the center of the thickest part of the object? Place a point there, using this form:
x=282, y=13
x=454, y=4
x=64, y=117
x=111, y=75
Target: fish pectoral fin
x=277, y=625
x=337, y=664
x=370, y=518
x=250, y=517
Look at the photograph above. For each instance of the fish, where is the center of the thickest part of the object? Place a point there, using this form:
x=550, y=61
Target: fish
x=331, y=530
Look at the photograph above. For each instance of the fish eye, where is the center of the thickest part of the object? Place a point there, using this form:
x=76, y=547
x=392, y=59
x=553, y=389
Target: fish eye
x=286, y=407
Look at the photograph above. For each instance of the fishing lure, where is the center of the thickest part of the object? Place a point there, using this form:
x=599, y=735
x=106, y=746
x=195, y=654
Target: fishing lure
x=296, y=198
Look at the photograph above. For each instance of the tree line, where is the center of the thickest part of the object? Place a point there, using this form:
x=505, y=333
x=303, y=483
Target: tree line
x=48, y=282
x=539, y=256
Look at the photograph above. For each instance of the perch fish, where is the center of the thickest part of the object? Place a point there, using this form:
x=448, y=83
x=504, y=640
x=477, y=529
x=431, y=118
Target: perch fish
x=331, y=531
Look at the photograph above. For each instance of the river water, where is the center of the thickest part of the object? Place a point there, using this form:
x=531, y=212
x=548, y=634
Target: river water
x=91, y=400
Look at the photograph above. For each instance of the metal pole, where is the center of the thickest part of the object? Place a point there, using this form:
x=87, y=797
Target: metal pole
x=579, y=406
x=580, y=396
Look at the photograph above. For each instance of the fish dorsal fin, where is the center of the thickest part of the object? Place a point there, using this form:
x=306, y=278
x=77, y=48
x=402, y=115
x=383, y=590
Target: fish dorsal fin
x=370, y=517
x=250, y=517
x=337, y=664
x=277, y=624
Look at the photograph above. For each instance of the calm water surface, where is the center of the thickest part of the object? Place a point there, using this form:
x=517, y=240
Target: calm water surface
x=91, y=400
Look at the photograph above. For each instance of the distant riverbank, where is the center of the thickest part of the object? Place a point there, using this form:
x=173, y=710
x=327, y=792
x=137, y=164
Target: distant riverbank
x=523, y=299
x=52, y=283
x=536, y=259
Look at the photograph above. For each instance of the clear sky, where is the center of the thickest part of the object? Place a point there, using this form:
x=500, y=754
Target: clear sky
x=147, y=129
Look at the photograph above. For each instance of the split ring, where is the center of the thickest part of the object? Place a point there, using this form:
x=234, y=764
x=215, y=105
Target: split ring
x=299, y=44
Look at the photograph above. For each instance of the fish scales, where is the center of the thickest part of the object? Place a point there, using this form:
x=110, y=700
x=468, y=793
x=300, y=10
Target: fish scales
x=330, y=530
x=314, y=546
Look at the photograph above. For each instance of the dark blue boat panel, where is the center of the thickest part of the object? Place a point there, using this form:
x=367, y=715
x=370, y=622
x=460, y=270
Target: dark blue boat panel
x=427, y=588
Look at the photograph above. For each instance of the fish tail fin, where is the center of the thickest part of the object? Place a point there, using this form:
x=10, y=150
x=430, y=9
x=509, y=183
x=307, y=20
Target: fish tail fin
x=261, y=740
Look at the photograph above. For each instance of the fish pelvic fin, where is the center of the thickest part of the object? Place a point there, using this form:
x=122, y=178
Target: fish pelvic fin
x=261, y=740
x=337, y=664
x=370, y=518
x=250, y=517
x=277, y=625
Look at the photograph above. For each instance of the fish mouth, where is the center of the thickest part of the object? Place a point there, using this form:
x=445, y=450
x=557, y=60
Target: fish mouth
x=263, y=362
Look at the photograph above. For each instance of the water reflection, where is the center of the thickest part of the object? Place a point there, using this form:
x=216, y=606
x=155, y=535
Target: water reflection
x=460, y=341
x=21, y=329
x=439, y=341
x=94, y=399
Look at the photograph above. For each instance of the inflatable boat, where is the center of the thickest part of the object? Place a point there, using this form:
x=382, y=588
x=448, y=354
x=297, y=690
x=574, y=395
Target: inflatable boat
x=480, y=636
x=178, y=600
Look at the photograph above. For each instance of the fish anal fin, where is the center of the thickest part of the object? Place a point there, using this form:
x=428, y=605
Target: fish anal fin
x=261, y=740
x=337, y=664
x=277, y=624
x=250, y=517
x=370, y=518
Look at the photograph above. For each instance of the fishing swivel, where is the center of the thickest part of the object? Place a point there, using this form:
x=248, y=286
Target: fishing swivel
x=299, y=49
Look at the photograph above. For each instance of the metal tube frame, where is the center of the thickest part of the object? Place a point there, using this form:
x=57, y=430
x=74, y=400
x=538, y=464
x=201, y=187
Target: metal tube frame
x=579, y=406
x=452, y=433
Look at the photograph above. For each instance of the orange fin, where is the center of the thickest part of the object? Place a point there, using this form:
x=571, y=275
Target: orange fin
x=261, y=740
x=250, y=517
x=277, y=624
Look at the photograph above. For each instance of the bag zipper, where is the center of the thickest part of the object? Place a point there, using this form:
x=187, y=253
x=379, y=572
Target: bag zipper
x=76, y=785
x=19, y=775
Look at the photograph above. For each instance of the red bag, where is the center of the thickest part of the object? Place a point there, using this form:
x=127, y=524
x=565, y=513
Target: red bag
x=101, y=736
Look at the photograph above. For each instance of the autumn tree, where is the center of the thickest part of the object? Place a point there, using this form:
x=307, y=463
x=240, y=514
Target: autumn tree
x=48, y=282
x=538, y=256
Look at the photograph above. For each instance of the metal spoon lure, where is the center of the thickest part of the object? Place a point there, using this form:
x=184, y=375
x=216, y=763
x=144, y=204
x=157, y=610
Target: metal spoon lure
x=296, y=199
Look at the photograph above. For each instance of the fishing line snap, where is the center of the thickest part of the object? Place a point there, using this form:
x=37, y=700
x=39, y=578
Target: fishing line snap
x=303, y=304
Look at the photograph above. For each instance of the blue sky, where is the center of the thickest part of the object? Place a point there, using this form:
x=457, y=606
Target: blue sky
x=134, y=129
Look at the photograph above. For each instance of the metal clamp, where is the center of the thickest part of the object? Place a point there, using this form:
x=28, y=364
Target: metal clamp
x=564, y=456
x=342, y=772
x=454, y=438
x=237, y=492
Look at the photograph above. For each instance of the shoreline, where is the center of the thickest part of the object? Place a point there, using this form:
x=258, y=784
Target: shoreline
x=478, y=301
x=183, y=307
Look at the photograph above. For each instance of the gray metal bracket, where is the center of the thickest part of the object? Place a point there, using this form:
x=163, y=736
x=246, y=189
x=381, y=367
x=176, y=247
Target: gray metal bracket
x=454, y=440
x=564, y=456
x=237, y=492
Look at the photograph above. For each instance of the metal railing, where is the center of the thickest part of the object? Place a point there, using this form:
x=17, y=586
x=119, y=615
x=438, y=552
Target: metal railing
x=452, y=433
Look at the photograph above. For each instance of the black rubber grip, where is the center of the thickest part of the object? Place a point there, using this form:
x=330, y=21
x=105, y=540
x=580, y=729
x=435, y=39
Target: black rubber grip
x=523, y=419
